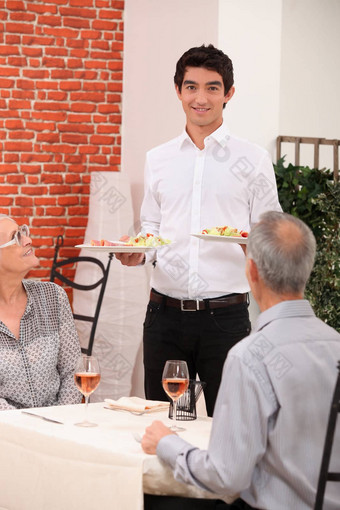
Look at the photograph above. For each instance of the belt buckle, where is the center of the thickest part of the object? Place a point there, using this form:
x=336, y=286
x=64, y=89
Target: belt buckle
x=188, y=309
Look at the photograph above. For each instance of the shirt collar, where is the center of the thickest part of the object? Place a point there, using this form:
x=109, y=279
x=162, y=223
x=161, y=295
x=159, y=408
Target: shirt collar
x=283, y=310
x=221, y=135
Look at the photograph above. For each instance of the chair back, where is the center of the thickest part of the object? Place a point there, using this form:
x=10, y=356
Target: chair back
x=326, y=475
x=56, y=273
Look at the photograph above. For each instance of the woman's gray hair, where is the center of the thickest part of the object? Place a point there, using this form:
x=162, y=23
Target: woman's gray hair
x=283, y=249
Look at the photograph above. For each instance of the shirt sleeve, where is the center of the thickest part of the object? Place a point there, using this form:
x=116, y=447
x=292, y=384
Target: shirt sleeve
x=238, y=437
x=69, y=352
x=262, y=188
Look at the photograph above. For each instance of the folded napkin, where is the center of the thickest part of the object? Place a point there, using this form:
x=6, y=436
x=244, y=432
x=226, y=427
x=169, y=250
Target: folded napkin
x=138, y=405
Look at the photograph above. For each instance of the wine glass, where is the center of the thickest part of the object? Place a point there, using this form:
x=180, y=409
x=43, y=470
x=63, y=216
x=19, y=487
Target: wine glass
x=87, y=378
x=175, y=381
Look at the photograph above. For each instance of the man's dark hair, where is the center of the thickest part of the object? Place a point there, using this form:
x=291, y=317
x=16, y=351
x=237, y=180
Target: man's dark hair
x=208, y=57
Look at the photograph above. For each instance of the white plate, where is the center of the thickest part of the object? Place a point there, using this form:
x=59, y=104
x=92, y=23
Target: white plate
x=222, y=239
x=118, y=249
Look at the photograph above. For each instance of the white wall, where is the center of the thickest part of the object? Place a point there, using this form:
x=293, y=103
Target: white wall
x=310, y=73
x=157, y=33
x=250, y=33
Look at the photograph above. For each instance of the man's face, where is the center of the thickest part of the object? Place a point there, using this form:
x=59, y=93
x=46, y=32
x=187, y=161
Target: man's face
x=203, y=97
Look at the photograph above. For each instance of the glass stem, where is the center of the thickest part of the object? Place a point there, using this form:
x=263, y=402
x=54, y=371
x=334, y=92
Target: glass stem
x=86, y=406
x=175, y=412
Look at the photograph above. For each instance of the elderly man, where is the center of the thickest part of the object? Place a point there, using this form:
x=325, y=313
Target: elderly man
x=272, y=408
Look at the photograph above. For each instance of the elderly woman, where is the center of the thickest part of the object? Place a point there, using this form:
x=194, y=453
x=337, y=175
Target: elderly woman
x=39, y=346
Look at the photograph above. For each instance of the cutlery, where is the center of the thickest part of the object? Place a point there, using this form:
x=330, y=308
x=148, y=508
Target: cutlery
x=42, y=417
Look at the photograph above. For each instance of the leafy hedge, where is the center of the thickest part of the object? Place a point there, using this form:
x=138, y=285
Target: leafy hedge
x=311, y=195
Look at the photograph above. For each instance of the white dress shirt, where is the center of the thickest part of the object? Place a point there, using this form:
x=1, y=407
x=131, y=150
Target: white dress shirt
x=230, y=182
x=270, y=416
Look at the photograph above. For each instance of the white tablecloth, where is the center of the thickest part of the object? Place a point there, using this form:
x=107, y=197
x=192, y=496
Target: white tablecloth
x=46, y=466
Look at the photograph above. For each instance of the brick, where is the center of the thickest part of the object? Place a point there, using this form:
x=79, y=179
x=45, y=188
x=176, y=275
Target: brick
x=37, y=41
x=108, y=36
x=42, y=241
x=77, y=55
x=80, y=189
x=6, y=83
x=74, y=63
x=5, y=201
x=60, y=190
x=67, y=149
x=55, y=116
x=86, y=75
x=78, y=211
x=34, y=62
x=16, y=179
x=74, y=159
x=104, y=25
x=41, y=8
x=24, y=201
x=17, y=61
x=115, y=119
x=85, y=200
x=95, y=64
x=78, y=168
x=119, y=36
x=21, y=135
x=46, y=85
x=57, y=96
x=113, y=98
x=78, y=222
x=100, y=119
x=101, y=140
x=51, y=106
x=8, y=190
x=39, y=126
x=100, y=45
x=9, y=71
x=56, y=52
x=9, y=50
x=70, y=200
x=48, y=232
x=110, y=14
x=32, y=52
x=72, y=179
x=32, y=179
x=78, y=43
x=108, y=108
x=34, y=190
x=76, y=128
x=53, y=62
x=95, y=97
x=71, y=232
x=14, y=124
x=36, y=74
x=73, y=138
x=55, y=211
x=23, y=94
x=54, y=168
x=115, y=65
x=51, y=179
x=90, y=34
x=62, y=32
x=82, y=107
x=70, y=85
x=106, y=55
x=19, y=105
x=45, y=201
x=22, y=16
x=81, y=13
x=53, y=21
x=48, y=137
x=57, y=74
x=95, y=85
x=108, y=128
x=41, y=158
x=22, y=211
x=76, y=22
x=11, y=158
x=88, y=149
x=18, y=146
x=46, y=253
x=100, y=159
x=115, y=87
x=37, y=222
x=78, y=118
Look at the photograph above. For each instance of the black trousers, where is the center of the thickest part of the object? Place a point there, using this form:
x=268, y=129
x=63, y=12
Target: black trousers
x=201, y=338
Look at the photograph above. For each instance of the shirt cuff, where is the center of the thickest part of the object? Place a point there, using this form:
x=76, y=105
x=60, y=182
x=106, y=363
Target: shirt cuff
x=170, y=446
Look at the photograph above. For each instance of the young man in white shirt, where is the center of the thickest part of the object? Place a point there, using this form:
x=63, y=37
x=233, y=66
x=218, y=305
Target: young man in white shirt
x=206, y=177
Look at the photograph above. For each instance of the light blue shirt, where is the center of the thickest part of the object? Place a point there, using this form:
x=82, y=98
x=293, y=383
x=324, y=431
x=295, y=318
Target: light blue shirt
x=270, y=417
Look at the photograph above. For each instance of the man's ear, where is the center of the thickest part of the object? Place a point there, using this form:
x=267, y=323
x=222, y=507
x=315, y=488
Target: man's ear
x=229, y=94
x=179, y=94
x=253, y=271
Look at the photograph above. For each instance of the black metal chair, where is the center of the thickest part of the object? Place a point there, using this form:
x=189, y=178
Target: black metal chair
x=325, y=475
x=57, y=274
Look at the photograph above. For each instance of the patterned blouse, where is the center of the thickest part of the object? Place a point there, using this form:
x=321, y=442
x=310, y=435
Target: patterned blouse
x=37, y=370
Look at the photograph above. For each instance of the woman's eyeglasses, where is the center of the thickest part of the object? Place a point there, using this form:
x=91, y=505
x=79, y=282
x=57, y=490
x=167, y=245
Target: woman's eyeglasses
x=23, y=231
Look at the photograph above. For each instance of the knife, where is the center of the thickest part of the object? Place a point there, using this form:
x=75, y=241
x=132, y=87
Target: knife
x=42, y=417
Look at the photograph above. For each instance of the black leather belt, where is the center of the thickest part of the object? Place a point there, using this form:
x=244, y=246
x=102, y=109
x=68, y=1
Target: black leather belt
x=194, y=305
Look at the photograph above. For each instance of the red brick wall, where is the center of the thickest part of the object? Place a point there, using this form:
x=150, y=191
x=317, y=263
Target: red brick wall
x=60, y=113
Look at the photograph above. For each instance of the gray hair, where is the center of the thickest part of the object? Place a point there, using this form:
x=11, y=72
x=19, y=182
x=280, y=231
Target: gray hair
x=283, y=249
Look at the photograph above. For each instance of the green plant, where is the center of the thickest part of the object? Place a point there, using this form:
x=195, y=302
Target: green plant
x=311, y=195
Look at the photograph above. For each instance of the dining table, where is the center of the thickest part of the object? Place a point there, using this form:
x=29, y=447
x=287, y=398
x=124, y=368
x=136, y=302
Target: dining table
x=53, y=465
